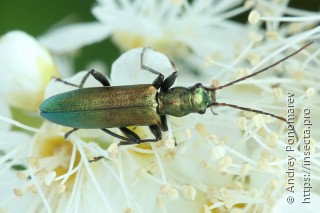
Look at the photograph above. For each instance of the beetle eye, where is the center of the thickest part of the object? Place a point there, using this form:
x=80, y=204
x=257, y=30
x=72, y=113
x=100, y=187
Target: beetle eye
x=202, y=111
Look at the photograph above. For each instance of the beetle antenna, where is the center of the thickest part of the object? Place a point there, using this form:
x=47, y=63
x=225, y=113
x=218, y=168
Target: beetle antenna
x=253, y=110
x=262, y=70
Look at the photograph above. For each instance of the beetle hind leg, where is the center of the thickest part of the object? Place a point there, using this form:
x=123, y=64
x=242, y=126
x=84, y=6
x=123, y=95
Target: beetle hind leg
x=97, y=75
x=65, y=82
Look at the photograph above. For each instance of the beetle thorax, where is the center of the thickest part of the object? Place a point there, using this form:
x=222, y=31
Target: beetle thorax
x=180, y=101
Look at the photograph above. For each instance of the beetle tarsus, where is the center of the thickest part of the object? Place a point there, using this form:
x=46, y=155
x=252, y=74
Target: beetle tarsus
x=69, y=133
x=95, y=159
x=97, y=75
x=65, y=82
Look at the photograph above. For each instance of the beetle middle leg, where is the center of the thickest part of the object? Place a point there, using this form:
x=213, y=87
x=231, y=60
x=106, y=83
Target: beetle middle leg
x=160, y=82
x=132, y=138
x=135, y=139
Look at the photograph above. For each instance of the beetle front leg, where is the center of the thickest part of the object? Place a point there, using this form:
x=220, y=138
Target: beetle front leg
x=169, y=81
x=159, y=82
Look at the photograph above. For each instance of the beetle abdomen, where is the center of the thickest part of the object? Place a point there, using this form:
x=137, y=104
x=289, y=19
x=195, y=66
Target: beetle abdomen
x=104, y=107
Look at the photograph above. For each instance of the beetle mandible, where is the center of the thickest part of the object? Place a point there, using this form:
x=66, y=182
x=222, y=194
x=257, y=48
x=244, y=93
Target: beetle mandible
x=140, y=105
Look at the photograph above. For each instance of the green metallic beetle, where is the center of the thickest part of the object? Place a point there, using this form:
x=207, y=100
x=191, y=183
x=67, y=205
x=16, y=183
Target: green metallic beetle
x=134, y=105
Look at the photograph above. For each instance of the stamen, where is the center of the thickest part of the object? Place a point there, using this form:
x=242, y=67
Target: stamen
x=189, y=192
x=254, y=17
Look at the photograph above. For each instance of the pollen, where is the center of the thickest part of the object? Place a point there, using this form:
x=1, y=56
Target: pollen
x=298, y=75
x=272, y=34
x=32, y=188
x=169, y=143
x=248, y=4
x=274, y=184
x=61, y=188
x=238, y=185
x=173, y=193
x=255, y=37
x=215, y=83
x=177, y=3
x=201, y=129
x=33, y=162
x=41, y=173
x=160, y=202
x=254, y=17
x=242, y=123
x=294, y=28
x=188, y=133
x=205, y=165
x=258, y=120
x=170, y=155
x=225, y=163
x=189, y=192
x=225, y=139
x=278, y=93
x=310, y=92
x=49, y=178
x=241, y=72
x=141, y=172
x=165, y=188
x=218, y=152
x=168, y=190
x=113, y=151
x=128, y=210
x=213, y=138
x=224, y=192
x=21, y=175
x=153, y=167
x=272, y=139
x=253, y=58
x=245, y=168
x=18, y=192
x=263, y=164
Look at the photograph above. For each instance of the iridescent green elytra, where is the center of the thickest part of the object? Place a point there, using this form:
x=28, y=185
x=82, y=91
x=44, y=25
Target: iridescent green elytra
x=134, y=105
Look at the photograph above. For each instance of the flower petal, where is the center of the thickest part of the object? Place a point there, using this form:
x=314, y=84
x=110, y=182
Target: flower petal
x=72, y=37
x=127, y=68
x=25, y=69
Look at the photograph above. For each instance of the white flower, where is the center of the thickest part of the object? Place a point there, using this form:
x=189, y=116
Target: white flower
x=173, y=27
x=25, y=68
x=231, y=162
